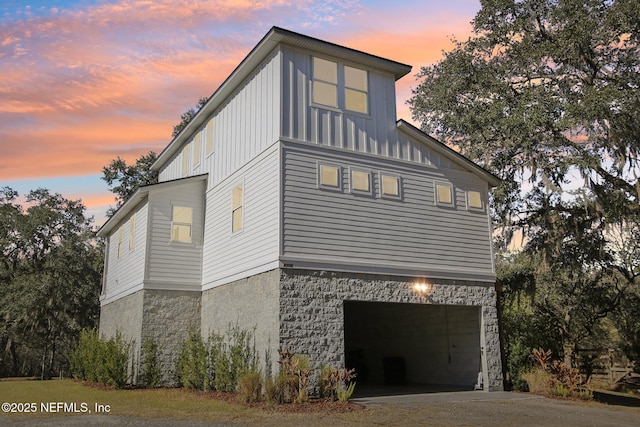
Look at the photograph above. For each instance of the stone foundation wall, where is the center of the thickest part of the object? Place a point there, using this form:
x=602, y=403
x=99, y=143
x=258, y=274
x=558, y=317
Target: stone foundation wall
x=124, y=315
x=250, y=303
x=312, y=311
x=167, y=317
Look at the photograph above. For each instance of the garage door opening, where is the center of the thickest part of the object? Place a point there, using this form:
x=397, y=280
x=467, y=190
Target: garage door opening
x=396, y=347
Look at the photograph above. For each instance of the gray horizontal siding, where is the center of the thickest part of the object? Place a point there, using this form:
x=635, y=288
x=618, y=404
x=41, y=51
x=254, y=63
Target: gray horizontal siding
x=343, y=226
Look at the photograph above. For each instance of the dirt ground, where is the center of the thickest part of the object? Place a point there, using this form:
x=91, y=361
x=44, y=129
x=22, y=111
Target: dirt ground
x=489, y=410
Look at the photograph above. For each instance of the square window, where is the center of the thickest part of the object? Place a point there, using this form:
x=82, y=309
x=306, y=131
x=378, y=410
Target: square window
x=360, y=181
x=355, y=101
x=444, y=194
x=355, y=78
x=329, y=176
x=474, y=199
x=181, y=222
x=237, y=201
x=390, y=185
x=325, y=70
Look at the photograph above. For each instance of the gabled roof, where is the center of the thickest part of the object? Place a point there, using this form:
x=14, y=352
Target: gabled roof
x=273, y=38
x=452, y=155
x=138, y=196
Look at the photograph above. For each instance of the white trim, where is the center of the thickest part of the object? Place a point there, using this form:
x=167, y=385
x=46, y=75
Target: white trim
x=391, y=268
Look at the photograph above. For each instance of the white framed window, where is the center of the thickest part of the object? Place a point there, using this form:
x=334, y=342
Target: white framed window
x=355, y=90
x=132, y=232
x=360, y=181
x=120, y=237
x=197, y=148
x=340, y=86
x=185, y=160
x=474, y=200
x=209, y=138
x=325, y=82
x=390, y=186
x=444, y=194
x=237, y=202
x=181, y=224
x=329, y=176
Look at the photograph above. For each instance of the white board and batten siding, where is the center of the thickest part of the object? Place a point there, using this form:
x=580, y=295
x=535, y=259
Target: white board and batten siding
x=410, y=235
x=373, y=132
x=229, y=255
x=175, y=265
x=125, y=273
x=242, y=127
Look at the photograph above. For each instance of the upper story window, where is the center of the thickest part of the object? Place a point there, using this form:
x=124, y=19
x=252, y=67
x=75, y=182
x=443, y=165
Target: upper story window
x=132, y=232
x=360, y=181
x=389, y=186
x=325, y=82
x=329, y=177
x=209, y=138
x=444, y=194
x=185, y=160
x=197, y=148
x=181, y=224
x=120, y=237
x=355, y=89
x=237, y=200
x=340, y=86
x=474, y=200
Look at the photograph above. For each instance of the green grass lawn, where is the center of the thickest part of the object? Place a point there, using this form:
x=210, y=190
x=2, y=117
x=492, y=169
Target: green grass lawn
x=149, y=404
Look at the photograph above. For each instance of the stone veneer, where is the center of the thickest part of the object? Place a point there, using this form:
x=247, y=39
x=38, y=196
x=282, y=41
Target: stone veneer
x=249, y=303
x=164, y=316
x=312, y=311
x=296, y=309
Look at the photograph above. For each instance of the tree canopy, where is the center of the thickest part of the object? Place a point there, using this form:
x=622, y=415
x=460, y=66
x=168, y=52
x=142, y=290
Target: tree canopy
x=50, y=273
x=124, y=180
x=546, y=95
x=187, y=116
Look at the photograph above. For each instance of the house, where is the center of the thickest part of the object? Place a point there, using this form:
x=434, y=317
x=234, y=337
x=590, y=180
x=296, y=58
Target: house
x=295, y=203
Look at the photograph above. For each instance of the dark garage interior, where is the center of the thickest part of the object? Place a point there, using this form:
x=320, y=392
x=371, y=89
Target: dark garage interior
x=412, y=347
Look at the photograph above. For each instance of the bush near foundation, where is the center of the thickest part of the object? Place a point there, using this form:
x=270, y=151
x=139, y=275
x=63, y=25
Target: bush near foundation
x=218, y=362
x=97, y=359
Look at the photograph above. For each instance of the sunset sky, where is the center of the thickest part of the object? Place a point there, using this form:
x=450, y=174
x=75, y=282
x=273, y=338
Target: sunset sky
x=85, y=81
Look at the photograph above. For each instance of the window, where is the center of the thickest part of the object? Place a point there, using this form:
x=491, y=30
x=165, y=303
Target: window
x=236, y=208
x=355, y=89
x=181, y=222
x=474, y=200
x=389, y=186
x=197, y=144
x=340, y=86
x=329, y=177
x=209, y=138
x=360, y=181
x=120, y=235
x=444, y=194
x=325, y=82
x=132, y=232
x=185, y=160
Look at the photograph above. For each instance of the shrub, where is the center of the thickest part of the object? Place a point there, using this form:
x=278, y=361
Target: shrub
x=151, y=372
x=192, y=363
x=104, y=361
x=250, y=387
x=332, y=382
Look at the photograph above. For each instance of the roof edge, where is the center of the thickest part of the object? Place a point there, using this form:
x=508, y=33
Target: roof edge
x=138, y=196
x=443, y=149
